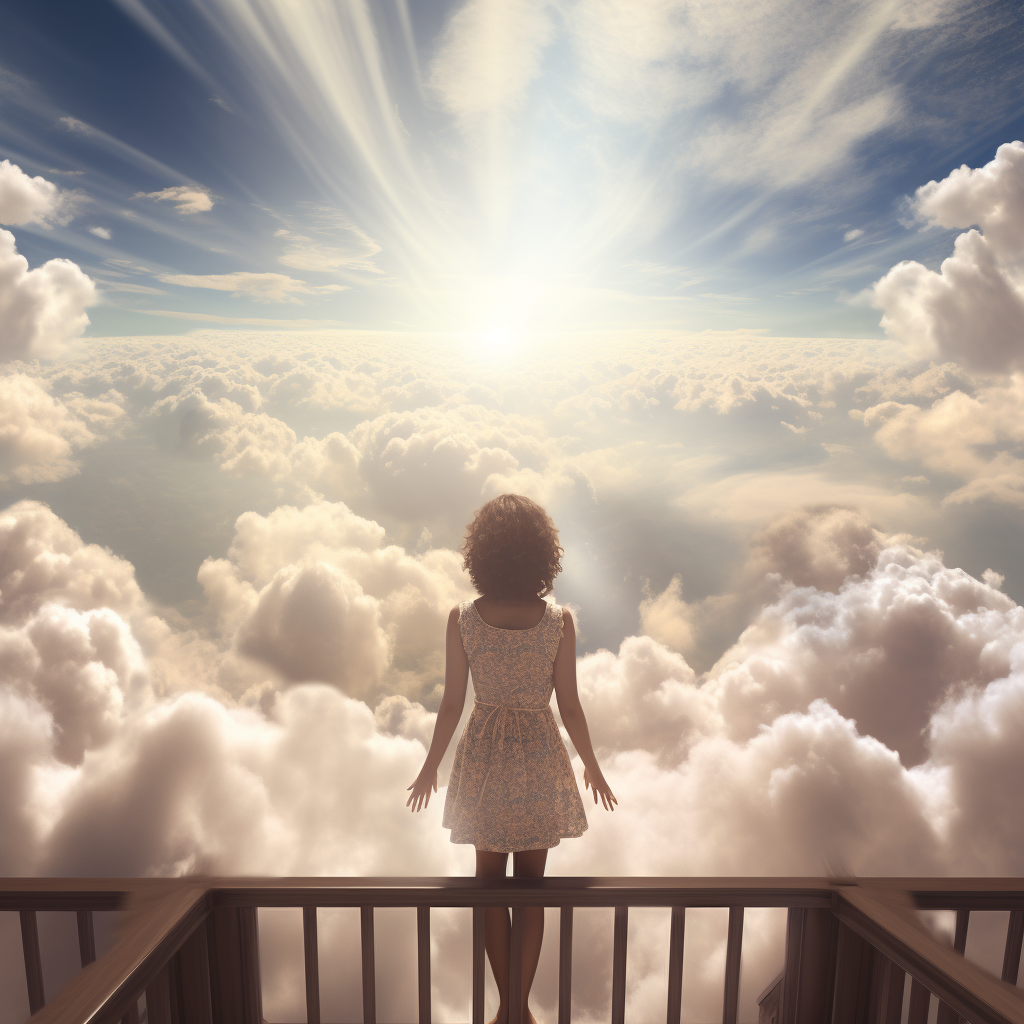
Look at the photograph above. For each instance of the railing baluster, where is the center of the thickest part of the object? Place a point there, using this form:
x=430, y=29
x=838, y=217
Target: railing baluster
x=86, y=938
x=33, y=963
x=132, y=1016
x=193, y=969
x=565, y=965
x=158, y=999
x=733, y=949
x=478, y=965
x=515, y=967
x=369, y=968
x=423, y=961
x=946, y=1014
x=675, y=964
x=619, y=965
x=1011, y=954
x=920, y=1000
x=891, y=985
x=311, y=955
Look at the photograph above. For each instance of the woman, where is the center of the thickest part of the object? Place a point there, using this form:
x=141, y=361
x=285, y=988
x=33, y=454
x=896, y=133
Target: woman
x=512, y=788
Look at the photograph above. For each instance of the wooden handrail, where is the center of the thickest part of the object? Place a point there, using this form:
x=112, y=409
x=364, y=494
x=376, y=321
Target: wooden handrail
x=161, y=914
x=159, y=918
x=887, y=922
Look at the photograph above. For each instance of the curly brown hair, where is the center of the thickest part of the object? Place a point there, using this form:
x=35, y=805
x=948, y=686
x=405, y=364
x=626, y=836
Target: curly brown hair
x=511, y=549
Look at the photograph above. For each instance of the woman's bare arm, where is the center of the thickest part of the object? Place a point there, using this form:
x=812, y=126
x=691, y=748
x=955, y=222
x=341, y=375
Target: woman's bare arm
x=573, y=718
x=456, y=676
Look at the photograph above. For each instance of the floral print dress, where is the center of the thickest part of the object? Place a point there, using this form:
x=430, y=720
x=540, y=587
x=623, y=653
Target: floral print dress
x=512, y=786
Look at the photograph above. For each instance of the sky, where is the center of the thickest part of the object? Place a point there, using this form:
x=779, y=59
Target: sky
x=289, y=289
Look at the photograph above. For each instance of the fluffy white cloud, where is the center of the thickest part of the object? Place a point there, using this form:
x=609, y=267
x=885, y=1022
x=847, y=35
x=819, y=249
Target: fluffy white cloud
x=100, y=232
x=973, y=437
x=794, y=751
x=43, y=308
x=28, y=200
x=186, y=198
x=42, y=560
x=316, y=594
x=970, y=310
x=39, y=434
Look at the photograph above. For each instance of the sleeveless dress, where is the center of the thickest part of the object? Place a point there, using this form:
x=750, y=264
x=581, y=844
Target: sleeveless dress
x=512, y=786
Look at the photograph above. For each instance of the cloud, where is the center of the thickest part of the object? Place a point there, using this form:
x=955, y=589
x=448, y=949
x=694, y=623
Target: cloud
x=25, y=200
x=489, y=52
x=853, y=234
x=243, y=284
x=872, y=710
x=316, y=594
x=43, y=561
x=40, y=309
x=99, y=232
x=39, y=434
x=973, y=437
x=187, y=198
x=970, y=310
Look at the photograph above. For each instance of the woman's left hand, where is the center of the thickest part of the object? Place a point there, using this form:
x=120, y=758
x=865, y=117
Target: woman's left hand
x=425, y=782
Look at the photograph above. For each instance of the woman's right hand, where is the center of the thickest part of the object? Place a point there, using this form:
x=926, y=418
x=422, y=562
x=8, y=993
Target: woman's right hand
x=599, y=785
x=425, y=782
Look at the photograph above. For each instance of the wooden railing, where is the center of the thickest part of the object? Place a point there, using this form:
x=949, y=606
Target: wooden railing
x=191, y=945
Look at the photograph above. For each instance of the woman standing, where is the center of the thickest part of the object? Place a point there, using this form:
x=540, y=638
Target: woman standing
x=512, y=788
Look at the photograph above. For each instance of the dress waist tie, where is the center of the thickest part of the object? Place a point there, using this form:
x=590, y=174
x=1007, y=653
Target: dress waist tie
x=499, y=715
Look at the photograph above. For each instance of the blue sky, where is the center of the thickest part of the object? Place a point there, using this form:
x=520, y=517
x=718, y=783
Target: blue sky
x=706, y=178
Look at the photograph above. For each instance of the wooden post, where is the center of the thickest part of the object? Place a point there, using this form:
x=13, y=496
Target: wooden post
x=920, y=1000
x=851, y=1002
x=478, y=965
x=891, y=982
x=946, y=1014
x=675, y=964
x=311, y=958
x=565, y=965
x=86, y=938
x=191, y=987
x=515, y=967
x=423, y=962
x=620, y=934
x=33, y=963
x=158, y=999
x=235, y=966
x=1011, y=954
x=808, y=985
x=733, y=951
x=369, y=966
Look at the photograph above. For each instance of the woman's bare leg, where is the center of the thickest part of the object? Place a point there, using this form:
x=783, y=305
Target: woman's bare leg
x=530, y=864
x=497, y=929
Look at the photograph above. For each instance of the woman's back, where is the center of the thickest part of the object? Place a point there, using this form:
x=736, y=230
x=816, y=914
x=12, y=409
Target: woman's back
x=511, y=665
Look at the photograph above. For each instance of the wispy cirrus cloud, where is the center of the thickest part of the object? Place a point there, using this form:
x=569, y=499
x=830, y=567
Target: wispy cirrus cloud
x=268, y=287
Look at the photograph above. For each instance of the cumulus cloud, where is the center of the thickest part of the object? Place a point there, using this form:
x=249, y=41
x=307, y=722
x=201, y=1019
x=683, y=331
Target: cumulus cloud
x=973, y=437
x=317, y=595
x=872, y=707
x=821, y=547
x=39, y=434
x=43, y=308
x=186, y=198
x=100, y=232
x=971, y=309
x=243, y=284
x=31, y=200
x=227, y=423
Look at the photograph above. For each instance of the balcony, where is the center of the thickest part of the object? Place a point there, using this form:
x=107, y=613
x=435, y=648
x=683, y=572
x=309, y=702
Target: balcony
x=855, y=952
